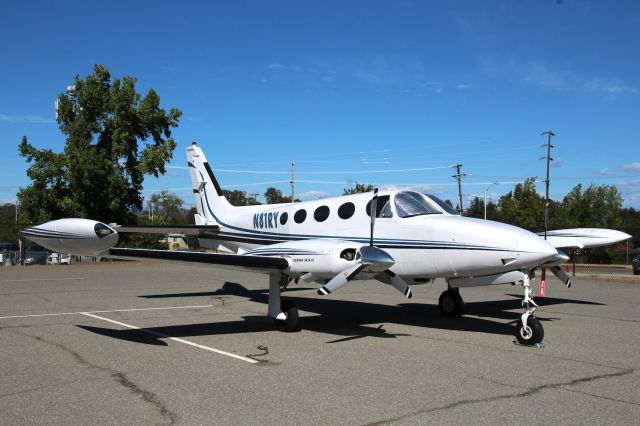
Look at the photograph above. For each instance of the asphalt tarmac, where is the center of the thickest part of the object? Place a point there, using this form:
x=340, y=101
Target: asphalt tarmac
x=142, y=343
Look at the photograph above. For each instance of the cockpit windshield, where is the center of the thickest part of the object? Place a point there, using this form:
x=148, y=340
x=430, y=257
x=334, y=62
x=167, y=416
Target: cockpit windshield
x=445, y=206
x=409, y=203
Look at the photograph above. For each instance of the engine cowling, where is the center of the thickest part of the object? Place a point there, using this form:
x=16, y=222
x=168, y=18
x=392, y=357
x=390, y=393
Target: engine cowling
x=75, y=236
x=320, y=257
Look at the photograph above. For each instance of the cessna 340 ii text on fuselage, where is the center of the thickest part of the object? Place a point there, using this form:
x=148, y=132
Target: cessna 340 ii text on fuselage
x=411, y=238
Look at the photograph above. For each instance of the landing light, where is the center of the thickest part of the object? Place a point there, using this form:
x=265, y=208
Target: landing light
x=102, y=230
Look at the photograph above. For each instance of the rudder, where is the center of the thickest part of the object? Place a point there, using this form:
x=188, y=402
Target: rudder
x=210, y=200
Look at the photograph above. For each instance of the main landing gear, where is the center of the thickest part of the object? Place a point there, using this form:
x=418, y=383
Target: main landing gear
x=292, y=321
x=451, y=303
x=284, y=313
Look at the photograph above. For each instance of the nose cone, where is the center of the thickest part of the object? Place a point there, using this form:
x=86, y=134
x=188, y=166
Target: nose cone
x=534, y=249
x=497, y=247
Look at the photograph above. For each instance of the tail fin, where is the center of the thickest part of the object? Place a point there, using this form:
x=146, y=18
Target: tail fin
x=210, y=200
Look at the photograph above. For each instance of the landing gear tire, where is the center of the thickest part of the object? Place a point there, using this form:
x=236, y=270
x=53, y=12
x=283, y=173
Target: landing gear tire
x=450, y=303
x=532, y=334
x=292, y=323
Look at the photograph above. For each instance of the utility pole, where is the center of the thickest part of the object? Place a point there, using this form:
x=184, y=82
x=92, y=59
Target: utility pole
x=549, y=134
x=459, y=177
x=293, y=183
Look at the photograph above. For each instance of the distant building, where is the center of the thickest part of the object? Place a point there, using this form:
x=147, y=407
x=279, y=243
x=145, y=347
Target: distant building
x=176, y=242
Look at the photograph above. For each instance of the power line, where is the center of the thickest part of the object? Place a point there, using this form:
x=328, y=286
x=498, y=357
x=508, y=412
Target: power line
x=336, y=172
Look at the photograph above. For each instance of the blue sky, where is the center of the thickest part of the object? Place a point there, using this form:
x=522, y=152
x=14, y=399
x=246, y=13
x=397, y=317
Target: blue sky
x=352, y=91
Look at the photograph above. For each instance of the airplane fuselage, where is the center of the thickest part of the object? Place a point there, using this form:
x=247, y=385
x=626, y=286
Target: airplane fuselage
x=423, y=246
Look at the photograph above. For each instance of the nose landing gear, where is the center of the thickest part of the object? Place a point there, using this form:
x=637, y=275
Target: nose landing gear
x=529, y=330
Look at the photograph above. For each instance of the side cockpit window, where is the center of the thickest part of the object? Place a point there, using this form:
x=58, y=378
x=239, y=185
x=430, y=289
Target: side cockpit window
x=446, y=206
x=383, y=207
x=409, y=204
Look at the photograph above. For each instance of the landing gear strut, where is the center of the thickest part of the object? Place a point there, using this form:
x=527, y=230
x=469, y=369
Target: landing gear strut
x=451, y=303
x=529, y=330
x=284, y=313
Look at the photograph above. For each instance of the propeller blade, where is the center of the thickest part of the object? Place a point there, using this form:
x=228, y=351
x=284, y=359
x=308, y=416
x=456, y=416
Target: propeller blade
x=399, y=284
x=562, y=275
x=374, y=211
x=341, y=279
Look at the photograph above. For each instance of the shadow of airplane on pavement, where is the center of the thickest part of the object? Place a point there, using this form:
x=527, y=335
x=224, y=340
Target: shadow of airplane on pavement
x=346, y=320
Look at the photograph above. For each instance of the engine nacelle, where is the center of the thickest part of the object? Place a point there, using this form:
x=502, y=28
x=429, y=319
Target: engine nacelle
x=320, y=257
x=75, y=236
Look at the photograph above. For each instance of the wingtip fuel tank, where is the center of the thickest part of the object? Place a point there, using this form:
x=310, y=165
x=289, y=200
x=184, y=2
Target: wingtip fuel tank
x=75, y=236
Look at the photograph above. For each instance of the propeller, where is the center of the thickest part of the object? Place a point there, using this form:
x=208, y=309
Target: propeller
x=341, y=279
x=555, y=268
x=562, y=275
x=399, y=284
x=371, y=258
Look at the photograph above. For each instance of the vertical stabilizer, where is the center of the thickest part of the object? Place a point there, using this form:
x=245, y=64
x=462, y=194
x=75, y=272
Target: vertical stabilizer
x=210, y=200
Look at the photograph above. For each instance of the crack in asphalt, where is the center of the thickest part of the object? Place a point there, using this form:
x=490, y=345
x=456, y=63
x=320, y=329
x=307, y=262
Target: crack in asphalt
x=118, y=376
x=37, y=388
x=146, y=395
x=528, y=392
x=499, y=383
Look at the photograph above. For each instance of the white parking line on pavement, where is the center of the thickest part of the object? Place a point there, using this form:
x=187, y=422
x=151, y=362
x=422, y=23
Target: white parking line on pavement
x=175, y=339
x=105, y=312
x=43, y=279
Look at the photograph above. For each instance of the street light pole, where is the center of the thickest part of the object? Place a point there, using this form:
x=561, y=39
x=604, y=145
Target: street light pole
x=485, y=198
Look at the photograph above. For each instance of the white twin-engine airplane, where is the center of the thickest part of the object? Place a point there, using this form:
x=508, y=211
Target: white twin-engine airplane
x=411, y=238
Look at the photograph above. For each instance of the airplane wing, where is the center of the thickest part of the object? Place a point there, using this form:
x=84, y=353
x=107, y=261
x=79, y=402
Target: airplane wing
x=579, y=238
x=199, y=230
x=228, y=261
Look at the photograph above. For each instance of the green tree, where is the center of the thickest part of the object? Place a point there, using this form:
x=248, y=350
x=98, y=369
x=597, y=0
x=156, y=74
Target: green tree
x=598, y=206
x=8, y=226
x=631, y=225
x=274, y=196
x=165, y=208
x=523, y=206
x=357, y=188
x=240, y=198
x=114, y=137
x=475, y=209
